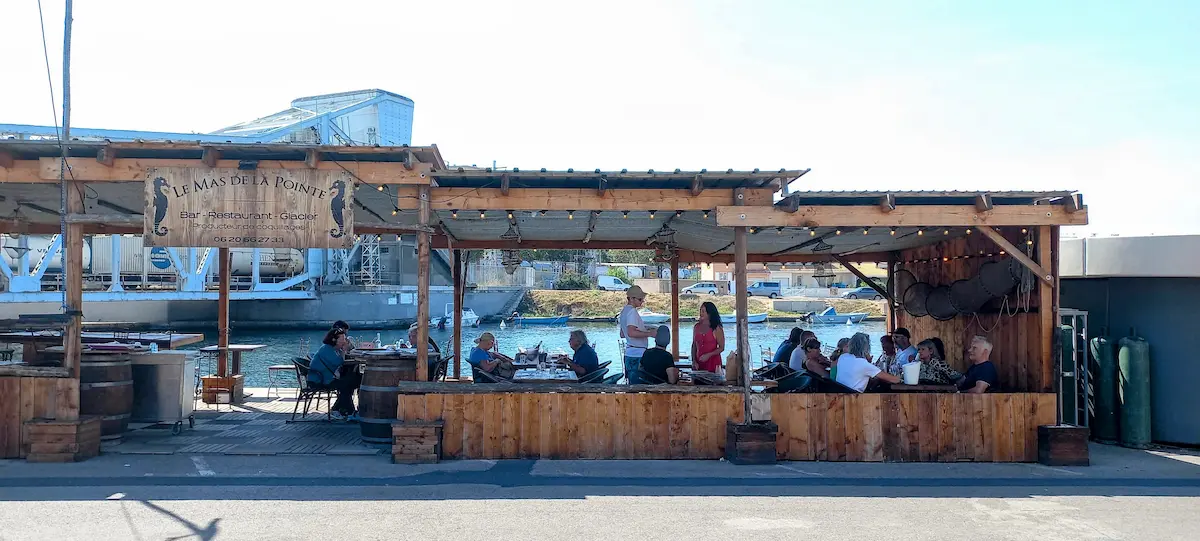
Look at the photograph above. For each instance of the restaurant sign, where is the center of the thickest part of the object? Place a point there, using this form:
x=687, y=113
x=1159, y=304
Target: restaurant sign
x=263, y=208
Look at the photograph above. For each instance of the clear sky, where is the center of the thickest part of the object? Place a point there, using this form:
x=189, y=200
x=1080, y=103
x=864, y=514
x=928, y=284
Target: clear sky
x=1093, y=96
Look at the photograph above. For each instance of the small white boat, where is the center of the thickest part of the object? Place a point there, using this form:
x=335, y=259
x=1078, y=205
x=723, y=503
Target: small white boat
x=651, y=318
x=469, y=318
x=750, y=318
x=830, y=316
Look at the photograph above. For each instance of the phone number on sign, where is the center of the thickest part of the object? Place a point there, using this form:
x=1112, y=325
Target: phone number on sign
x=250, y=240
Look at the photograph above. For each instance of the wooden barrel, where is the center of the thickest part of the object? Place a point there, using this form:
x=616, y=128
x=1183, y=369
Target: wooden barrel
x=377, y=396
x=106, y=389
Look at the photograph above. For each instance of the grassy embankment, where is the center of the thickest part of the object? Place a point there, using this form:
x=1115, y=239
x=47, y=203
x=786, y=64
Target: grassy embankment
x=594, y=303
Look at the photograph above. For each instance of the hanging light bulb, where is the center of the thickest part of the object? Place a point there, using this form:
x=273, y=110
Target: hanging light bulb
x=779, y=231
x=892, y=231
x=482, y=214
x=652, y=215
x=968, y=231
x=1024, y=231
x=866, y=230
x=1029, y=242
x=678, y=213
x=380, y=187
x=753, y=230
x=920, y=232
x=1001, y=252
x=570, y=215
x=541, y=213
x=706, y=215
x=394, y=211
x=510, y=215
x=624, y=214
x=837, y=232
x=946, y=232
x=812, y=232
x=454, y=214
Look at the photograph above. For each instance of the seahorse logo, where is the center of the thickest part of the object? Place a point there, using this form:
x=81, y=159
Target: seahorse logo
x=337, y=205
x=160, y=205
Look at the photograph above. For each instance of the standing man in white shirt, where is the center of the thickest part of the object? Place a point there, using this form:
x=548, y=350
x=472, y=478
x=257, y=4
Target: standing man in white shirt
x=635, y=333
x=906, y=352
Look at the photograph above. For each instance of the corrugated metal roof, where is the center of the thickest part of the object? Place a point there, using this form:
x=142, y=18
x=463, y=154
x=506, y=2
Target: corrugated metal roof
x=920, y=197
x=28, y=150
x=473, y=177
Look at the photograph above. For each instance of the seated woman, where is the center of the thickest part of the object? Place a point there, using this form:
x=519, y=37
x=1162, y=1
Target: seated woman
x=345, y=327
x=933, y=368
x=809, y=357
x=853, y=367
x=783, y=354
x=326, y=372
x=657, y=362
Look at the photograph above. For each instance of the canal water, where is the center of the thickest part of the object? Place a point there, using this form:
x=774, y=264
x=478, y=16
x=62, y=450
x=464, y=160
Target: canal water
x=282, y=345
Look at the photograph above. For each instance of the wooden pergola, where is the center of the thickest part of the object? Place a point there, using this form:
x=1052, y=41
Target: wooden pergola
x=686, y=216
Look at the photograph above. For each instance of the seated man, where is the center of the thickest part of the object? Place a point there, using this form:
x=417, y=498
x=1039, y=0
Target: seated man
x=657, y=362
x=326, y=373
x=981, y=377
x=481, y=356
x=585, y=360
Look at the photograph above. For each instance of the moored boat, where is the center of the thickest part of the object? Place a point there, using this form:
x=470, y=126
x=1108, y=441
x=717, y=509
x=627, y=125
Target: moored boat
x=830, y=316
x=751, y=318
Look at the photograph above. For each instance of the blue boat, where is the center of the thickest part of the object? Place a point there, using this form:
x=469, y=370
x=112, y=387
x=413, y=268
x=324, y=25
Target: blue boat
x=830, y=316
x=556, y=320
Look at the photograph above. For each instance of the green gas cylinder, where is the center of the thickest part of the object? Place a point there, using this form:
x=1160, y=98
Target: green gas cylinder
x=1133, y=360
x=1105, y=425
x=1070, y=375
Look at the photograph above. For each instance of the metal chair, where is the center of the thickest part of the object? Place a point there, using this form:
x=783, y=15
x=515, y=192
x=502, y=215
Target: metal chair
x=307, y=394
x=439, y=370
x=595, y=376
x=648, y=378
x=613, y=379
x=483, y=377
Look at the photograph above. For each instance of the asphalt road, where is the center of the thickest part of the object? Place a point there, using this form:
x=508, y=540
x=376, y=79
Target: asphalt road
x=1132, y=496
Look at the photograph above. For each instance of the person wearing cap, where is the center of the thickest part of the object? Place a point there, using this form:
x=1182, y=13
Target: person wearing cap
x=635, y=333
x=435, y=353
x=585, y=360
x=658, y=363
x=481, y=356
x=905, y=351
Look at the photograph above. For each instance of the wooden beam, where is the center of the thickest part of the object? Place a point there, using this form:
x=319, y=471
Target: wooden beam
x=6, y=159
x=504, y=185
x=582, y=199
x=908, y=215
x=457, y=278
x=106, y=155
x=983, y=202
x=423, y=288
x=134, y=169
x=601, y=186
x=385, y=229
x=107, y=219
x=1047, y=312
x=675, y=308
x=410, y=160
x=742, y=307
x=887, y=203
x=882, y=291
x=697, y=186
x=1038, y=270
x=893, y=258
x=224, y=267
x=210, y=157
x=312, y=158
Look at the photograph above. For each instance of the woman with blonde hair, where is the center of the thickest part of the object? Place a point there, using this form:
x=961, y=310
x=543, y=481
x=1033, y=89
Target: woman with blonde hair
x=853, y=367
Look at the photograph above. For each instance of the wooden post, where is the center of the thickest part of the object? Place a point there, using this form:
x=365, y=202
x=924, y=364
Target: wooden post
x=458, y=296
x=893, y=301
x=223, y=312
x=675, y=308
x=1046, y=309
x=423, y=289
x=73, y=274
x=742, y=305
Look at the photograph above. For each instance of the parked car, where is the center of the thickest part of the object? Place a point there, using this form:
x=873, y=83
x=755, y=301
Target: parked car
x=862, y=293
x=773, y=290
x=610, y=283
x=698, y=288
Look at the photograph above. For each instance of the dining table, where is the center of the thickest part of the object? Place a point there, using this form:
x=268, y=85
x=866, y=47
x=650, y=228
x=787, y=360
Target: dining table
x=235, y=352
x=545, y=375
x=923, y=388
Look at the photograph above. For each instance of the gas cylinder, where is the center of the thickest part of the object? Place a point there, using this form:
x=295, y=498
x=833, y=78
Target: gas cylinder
x=1133, y=360
x=1105, y=425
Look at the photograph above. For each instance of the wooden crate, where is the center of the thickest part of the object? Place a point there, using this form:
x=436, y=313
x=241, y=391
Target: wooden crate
x=63, y=441
x=1063, y=445
x=750, y=443
x=233, y=384
x=416, y=442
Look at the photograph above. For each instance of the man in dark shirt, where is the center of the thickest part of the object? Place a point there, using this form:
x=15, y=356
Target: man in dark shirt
x=981, y=377
x=585, y=360
x=657, y=362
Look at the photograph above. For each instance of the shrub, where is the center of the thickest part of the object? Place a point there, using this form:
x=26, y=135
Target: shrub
x=571, y=280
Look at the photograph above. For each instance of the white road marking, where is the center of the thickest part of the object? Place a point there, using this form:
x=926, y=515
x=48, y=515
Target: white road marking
x=202, y=467
x=116, y=496
x=1060, y=470
x=797, y=470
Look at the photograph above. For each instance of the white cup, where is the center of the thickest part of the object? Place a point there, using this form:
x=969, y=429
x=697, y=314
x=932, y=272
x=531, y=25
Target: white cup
x=912, y=373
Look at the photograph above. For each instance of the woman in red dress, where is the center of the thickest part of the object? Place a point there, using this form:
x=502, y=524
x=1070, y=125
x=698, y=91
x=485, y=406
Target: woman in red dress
x=708, y=339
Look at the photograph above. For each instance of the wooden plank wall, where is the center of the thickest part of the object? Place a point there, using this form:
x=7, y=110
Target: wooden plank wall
x=25, y=398
x=999, y=427
x=583, y=425
x=1016, y=339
